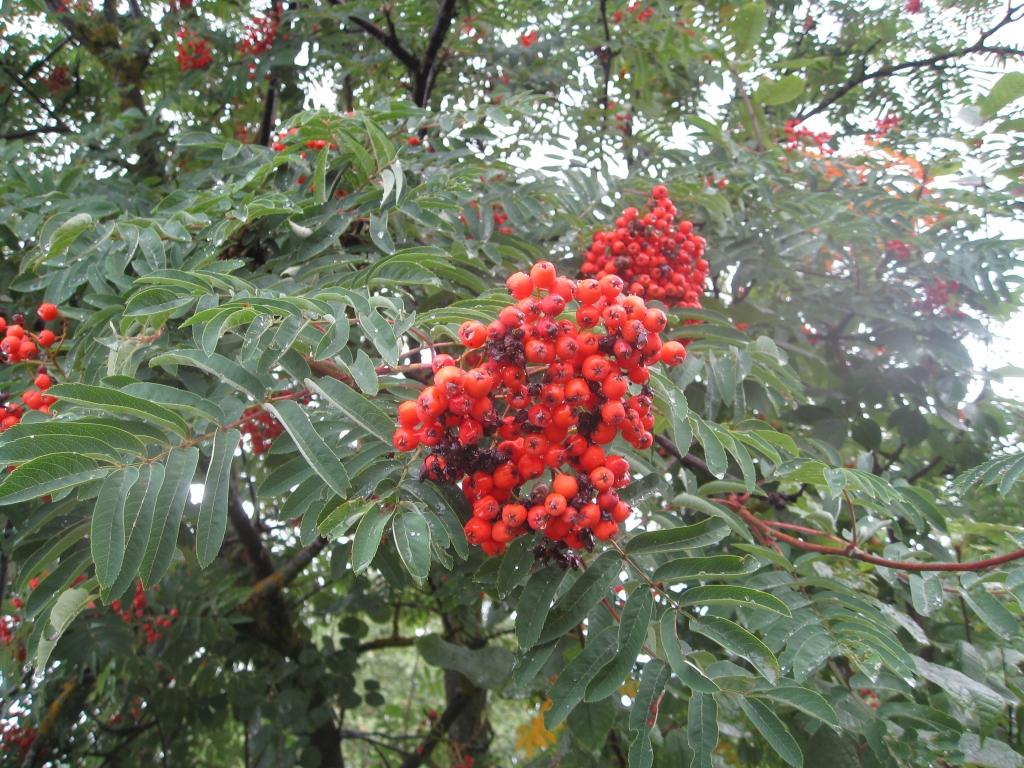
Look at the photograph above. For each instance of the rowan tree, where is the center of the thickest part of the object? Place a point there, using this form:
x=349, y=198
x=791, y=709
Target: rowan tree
x=525, y=383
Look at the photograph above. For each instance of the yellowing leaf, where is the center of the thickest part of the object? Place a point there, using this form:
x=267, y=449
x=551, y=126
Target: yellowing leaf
x=629, y=688
x=533, y=735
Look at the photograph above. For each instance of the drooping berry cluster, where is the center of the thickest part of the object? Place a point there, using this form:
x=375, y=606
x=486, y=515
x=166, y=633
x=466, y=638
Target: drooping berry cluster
x=897, y=249
x=57, y=80
x=799, y=136
x=19, y=345
x=138, y=610
x=193, y=51
x=15, y=739
x=938, y=298
x=261, y=428
x=655, y=256
x=891, y=122
x=639, y=13
x=261, y=32
x=549, y=395
x=500, y=217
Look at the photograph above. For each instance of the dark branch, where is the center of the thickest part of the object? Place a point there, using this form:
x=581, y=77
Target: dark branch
x=687, y=460
x=385, y=642
x=393, y=44
x=304, y=557
x=28, y=133
x=259, y=558
x=36, y=66
x=458, y=703
x=431, y=62
x=978, y=48
x=267, y=122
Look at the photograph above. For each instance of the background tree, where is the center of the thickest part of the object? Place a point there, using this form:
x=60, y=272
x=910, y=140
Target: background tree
x=212, y=553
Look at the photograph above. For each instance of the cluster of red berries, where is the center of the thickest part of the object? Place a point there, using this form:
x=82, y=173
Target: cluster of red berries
x=798, y=136
x=261, y=32
x=8, y=628
x=870, y=698
x=279, y=145
x=937, y=297
x=193, y=51
x=656, y=257
x=897, y=249
x=261, y=428
x=913, y=6
x=19, y=345
x=891, y=122
x=639, y=13
x=528, y=39
x=564, y=392
x=137, y=611
x=500, y=217
x=57, y=79
x=624, y=120
x=15, y=738
x=8, y=624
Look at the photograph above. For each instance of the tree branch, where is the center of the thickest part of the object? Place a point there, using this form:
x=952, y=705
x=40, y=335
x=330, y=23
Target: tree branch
x=392, y=43
x=852, y=552
x=385, y=642
x=430, y=65
x=259, y=557
x=687, y=460
x=979, y=47
x=458, y=703
x=267, y=122
x=28, y=133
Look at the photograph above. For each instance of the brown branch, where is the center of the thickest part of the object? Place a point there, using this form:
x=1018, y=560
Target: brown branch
x=422, y=753
x=924, y=470
x=687, y=460
x=290, y=570
x=385, y=642
x=431, y=61
x=392, y=43
x=882, y=72
x=267, y=121
x=259, y=557
x=854, y=553
x=756, y=127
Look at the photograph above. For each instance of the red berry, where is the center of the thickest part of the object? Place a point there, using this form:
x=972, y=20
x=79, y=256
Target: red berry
x=47, y=312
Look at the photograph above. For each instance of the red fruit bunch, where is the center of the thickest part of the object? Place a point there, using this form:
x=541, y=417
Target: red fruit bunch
x=57, y=80
x=151, y=627
x=500, y=217
x=797, y=136
x=938, y=298
x=19, y=345
x=261, y=428
x=897, y=249
x=261, y=32
x=15, y=738
x=193, y=51
x=528, y=39
x=655, y=256
x=639, y=13
x=8, y=628
x=891, y=122
x=548, y=393
x=279, y=145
